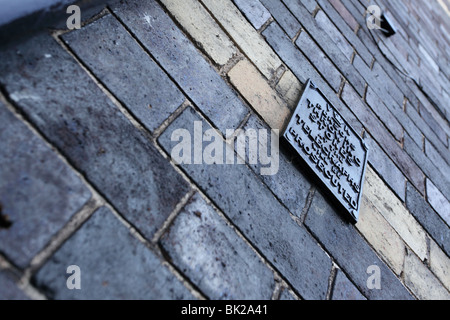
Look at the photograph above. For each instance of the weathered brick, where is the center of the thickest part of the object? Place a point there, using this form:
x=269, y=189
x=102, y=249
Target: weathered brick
x=344, y=289
x=438, y=202
x=255, y=12
x=290, y=89
x=345, y=14
x=178, y=56
x=293, y=251
x=286, y=295
x=429, y=219
x=327, y=44
x=350, y=250
x=395, y=214
x=206, y=249
x=303, y=70
x=154, y=96
x=399, y=120
x=377, y=130
x=346, y=31
x=283, y=16
x=114, y=265
x=433, y=124
x=385, y=168
x=440, y=264
x=201, y=26
x=320, y=60
x=327, y=25
x=10, y=290
x=255, y=89
x=420, y=280
x=92, y=133
x=39, y=193
x=379, y=233
x=290, y=173
x=384, y=114
x=246, y=37
x=310, y=5
x=436, y=158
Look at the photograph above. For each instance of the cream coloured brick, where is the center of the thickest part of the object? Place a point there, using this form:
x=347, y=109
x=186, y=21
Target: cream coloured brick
x=251, y=84
x=245, y=36
x=196, y=20
x=421, y=281
x=379, y=233
x=440, y=264
x=290, y=89
x=395, y=213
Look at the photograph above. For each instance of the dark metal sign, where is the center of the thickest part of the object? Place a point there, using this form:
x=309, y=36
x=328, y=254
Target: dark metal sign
x=330, y=147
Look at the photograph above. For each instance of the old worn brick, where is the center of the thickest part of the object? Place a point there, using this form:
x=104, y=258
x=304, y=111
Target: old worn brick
x=327, y=25
x=433, y=124
x=39, y=193
x=320, y=60
x=350, y=250
x=154, y=96
x=377, y=130
x=438, y=201
x=178, y=56
x=290, y=173
x=255, y=89
x=293, y=252
x=114, y=265
x=345, y=14
x=206, y=249
x=379, y=233
x=9, y=287
x=436, y=158
x=440, y=264
x=395, y=214
x=344, y=289
x=286, y=295
x=421, y=281
x=92, y=133
x=201, y=26
x=283, y=16
x=255, y=12
x=428, y=218
x=425, y=164
x=386, y=168
x=303, y=70
x=246, y=37
x=290, y=89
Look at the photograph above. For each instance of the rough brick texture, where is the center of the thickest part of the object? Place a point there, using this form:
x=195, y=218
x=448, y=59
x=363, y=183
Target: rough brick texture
x=91, y=122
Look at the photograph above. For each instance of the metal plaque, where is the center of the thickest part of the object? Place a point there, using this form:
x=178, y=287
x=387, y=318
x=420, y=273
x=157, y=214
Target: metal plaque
x=330, y=147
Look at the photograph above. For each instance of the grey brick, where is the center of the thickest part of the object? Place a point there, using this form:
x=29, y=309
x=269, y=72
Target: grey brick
x=178, y=56
x=428, y=218
x=374, y=101
x=283, y=16
x=428, y=167
x=126, y=70
x=285, y=295
x=261, y=218
x=344, y=289
x=290, y=173
x=437, y=200
x=75, y=115
x=346, y=30
x=298, y=64
x=9, y=288
x=320, y=60
x=38, y=192
x=327, y=44
x=436, y=158
x=255, y=12
x=350, y=251
x=386, y=168
x=114, y=265
x=206, y=249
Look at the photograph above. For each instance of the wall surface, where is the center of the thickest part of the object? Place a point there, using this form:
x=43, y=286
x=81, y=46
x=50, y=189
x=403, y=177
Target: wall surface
x=89, y=120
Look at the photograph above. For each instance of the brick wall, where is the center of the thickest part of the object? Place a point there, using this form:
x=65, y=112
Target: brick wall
x=87, y=177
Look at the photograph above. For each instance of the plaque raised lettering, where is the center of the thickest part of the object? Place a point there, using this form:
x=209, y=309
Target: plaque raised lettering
x=330, y=147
